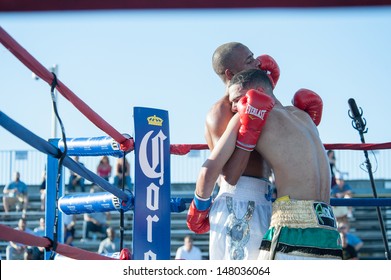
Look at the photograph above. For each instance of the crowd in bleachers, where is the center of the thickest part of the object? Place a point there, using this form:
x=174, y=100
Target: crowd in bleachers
x=23, y=208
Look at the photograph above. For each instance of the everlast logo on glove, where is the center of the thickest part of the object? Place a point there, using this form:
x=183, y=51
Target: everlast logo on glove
x=252, y=111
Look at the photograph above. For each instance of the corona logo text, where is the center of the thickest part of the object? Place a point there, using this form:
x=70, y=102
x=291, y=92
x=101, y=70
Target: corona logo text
x=155, y=168
x=151, y=159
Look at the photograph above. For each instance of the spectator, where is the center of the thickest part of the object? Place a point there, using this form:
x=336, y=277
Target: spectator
x=188, y=251
x=351, y=238
x=110, y=244
x=75, y=179
x=17, y=251
x=69, y=228
x=40, y=230
x=104, y=168
x=95, y=222
x=348, y=251
x=122, y=169
x=15, y=193
x=37, y=253
x=333, y=167
x=342, y=190
x=42, y=190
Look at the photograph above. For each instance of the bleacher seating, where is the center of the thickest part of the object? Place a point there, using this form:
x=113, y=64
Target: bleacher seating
x=178, y=223
x=365, y=223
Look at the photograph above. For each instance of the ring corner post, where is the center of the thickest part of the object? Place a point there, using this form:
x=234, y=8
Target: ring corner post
x=152, y=211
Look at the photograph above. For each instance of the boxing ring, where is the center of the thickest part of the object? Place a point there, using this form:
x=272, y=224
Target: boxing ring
x=151, y=201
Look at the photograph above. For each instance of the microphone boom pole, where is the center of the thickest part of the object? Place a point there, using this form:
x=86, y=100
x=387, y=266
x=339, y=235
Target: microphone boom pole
x=359, y=124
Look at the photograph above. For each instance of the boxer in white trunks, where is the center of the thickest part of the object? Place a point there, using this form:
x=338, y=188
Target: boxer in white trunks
x=240, y=213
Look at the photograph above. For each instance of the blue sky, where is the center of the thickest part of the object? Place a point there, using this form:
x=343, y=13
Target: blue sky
x=162, y=59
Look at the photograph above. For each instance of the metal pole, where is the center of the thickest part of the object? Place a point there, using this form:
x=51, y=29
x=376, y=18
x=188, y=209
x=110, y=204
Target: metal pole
x=359, y=124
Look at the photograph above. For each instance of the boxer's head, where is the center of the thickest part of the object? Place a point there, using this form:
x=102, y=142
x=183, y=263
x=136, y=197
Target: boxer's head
x=231, y=58
x=246, y=80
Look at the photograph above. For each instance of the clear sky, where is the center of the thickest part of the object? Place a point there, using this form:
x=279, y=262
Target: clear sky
x=116, y=60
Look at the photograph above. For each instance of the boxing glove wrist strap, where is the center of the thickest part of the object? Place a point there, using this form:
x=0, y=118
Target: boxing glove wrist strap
x=202, y=204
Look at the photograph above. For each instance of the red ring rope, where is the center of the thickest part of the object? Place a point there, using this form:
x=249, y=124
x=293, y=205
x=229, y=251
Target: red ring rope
x=183, y=149
x=34, y=65
x=10, y=234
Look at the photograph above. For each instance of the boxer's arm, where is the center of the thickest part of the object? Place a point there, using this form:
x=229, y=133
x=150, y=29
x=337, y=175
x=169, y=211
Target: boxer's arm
x=218, y=158
x=198, y=215
x=216, y=123
x=235, y=166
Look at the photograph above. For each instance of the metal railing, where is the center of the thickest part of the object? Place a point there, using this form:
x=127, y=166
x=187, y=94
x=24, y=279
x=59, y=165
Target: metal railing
x=184, y=169
x=32, y=163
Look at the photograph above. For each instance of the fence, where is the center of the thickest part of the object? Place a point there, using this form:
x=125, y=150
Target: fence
x=184, y=169
x=31, y=164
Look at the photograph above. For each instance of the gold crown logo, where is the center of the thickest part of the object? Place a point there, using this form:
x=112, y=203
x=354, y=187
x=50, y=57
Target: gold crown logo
x=153, y=120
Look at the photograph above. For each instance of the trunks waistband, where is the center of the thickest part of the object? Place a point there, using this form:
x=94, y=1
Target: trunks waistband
x=248, y=188
x=302, y=214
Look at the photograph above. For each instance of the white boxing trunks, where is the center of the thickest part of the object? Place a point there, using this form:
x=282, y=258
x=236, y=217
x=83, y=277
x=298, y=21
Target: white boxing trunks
x=239, y=217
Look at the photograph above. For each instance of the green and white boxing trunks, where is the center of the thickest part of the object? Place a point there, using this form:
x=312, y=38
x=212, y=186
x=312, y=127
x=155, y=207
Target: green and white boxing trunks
x=302, y=230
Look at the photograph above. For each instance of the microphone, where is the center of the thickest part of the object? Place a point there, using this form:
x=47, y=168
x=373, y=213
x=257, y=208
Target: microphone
x=356, y=115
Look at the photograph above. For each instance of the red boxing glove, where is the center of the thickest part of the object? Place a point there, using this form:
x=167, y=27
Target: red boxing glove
x=269, y=65
x=253, y=109
x=310, y=102
x=197, y=220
